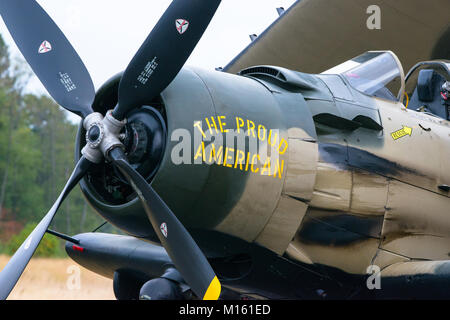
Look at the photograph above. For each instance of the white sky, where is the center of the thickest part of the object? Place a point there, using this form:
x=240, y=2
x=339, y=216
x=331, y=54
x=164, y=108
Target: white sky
x=107, y=33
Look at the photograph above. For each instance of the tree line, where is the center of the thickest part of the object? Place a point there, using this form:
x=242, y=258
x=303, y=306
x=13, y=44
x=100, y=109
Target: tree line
x=37, y=144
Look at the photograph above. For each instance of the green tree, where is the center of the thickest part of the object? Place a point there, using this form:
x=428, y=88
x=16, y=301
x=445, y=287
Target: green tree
x=37, y=144
x=48, y=247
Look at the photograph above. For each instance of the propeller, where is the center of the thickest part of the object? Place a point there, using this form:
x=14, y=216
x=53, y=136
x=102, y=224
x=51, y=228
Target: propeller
x=61, y=71
x=16, y=265
x=182, y=249
x=164, y=52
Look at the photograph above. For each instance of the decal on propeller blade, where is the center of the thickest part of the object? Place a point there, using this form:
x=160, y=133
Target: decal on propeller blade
x=182, y=25
x=67, y=82
x=163, y=228
x=45, y=47
x=149, y=69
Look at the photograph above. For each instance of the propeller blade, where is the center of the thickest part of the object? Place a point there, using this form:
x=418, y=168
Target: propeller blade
x=164, y=52
x=15, y=267
x=182, y=249
x=50, y=55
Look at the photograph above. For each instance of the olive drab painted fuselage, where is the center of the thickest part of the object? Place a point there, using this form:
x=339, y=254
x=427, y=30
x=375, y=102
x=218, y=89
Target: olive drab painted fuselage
x=358, y=180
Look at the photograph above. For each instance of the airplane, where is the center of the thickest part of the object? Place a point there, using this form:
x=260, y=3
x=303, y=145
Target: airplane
x=310, y=167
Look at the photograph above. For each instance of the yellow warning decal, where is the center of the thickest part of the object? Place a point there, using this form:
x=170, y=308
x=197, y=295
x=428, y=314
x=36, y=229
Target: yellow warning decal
x=405, y=131
x=213, y=291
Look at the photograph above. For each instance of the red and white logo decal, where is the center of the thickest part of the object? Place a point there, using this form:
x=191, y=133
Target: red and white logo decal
x=45, y=47
x=163, y=228
x=182, y=25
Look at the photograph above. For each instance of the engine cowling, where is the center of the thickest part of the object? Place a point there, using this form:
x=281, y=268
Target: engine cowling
x=243, y=191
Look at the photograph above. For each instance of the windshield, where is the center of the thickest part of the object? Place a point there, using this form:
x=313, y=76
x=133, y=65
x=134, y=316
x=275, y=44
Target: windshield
x=376, y=73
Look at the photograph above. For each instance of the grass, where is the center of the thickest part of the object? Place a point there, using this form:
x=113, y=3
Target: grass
x=50, y=279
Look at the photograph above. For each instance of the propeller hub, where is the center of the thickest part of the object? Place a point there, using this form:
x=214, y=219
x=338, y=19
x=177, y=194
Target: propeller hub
x=95, y=134
x=102, y=135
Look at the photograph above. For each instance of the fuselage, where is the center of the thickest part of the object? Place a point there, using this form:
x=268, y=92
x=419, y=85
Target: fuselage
x=350, y=180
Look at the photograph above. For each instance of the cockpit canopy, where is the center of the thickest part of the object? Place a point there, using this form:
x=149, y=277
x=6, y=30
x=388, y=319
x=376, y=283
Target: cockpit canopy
x=380, y=74
x=375, y=73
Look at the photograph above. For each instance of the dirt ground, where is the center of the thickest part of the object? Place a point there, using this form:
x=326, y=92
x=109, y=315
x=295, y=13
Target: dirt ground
x=59, y=279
